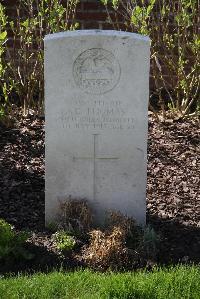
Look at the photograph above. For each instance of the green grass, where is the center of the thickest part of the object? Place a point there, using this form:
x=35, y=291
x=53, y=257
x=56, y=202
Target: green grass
x=174, y=283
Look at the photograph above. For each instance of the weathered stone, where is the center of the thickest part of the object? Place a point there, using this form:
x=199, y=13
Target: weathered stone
x=96, y=88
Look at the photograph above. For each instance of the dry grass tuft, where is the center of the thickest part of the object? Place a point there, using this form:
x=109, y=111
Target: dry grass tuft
x=75, y=215
x=126, y=224
x=121, y=245
x=107, y=249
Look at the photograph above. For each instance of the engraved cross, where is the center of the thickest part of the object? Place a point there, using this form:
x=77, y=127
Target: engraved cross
x=95, y=158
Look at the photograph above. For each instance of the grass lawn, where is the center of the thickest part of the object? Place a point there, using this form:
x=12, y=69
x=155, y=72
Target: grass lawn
x=174, y=283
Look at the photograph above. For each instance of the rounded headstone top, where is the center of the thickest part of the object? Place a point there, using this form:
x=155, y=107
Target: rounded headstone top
x=97, y=32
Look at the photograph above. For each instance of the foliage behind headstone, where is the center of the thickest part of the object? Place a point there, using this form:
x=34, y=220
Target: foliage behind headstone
x=175, y=48
x=23, y=75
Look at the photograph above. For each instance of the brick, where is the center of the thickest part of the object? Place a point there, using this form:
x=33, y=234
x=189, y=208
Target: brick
x=87, y=6
x=91, y=16
x=90, y=25
x=9, y=2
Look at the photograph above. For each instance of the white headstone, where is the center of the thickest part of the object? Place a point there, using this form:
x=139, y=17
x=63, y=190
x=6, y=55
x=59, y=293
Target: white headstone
x=96, y=89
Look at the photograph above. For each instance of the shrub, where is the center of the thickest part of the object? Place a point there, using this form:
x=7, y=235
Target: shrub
x=12, y=244
x=150, y=243
x=64, y=241
x=34, y=20
x=3, y=37
x=3, y=67
x=175, y=49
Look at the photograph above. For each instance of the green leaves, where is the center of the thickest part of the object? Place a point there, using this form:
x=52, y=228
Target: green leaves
x=115, y=3
x=3, y=17
x=150, y=6
x=3, y=32
x=25, y=67
x=3, y=66
x=11, y=243
x=6, y=233
x=173, y=29
x=64, y=241
x=3, y=36
x=140, y=17
x=151, y=242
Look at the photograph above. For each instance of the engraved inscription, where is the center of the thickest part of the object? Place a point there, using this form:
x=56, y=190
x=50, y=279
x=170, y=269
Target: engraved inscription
x=96, y=71
x=99, y=115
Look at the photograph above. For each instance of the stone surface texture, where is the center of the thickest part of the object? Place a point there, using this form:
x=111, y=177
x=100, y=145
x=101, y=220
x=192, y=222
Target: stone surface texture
x=96, y=90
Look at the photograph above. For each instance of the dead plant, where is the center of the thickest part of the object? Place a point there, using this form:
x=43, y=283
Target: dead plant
x=122, y=245
x=75, y=216
x=106, y=250
x=116, y=218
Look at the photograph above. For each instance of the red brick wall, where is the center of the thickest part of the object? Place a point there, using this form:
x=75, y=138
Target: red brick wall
x=91, y=14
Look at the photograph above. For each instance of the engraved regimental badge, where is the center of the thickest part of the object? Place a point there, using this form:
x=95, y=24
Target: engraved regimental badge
x=96, y=71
